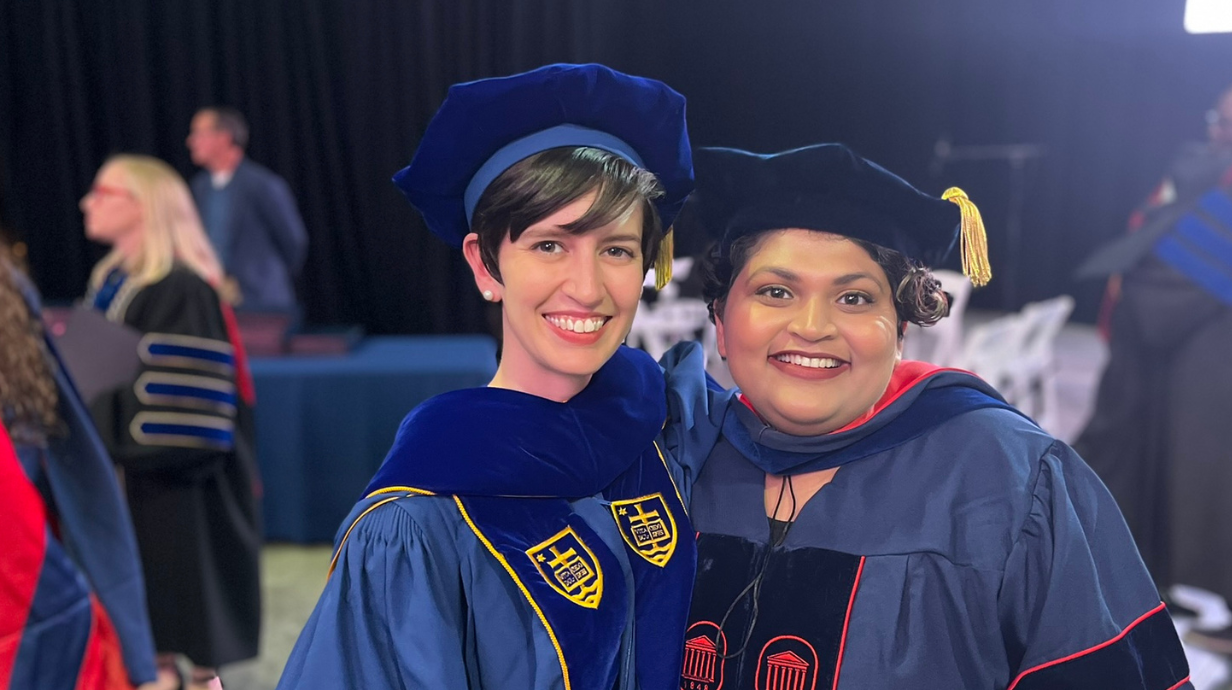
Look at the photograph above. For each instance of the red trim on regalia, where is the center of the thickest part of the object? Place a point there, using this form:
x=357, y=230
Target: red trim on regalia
x=1096, y=648
x=102, y=666
x=907, y=375
x=842, y=645
x=24, y=516
x=243, y=376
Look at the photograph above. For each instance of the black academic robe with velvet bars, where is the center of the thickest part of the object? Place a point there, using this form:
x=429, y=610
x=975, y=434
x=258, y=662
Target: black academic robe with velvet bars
x=1159, y=435
x=958, y=546
x=182, y=435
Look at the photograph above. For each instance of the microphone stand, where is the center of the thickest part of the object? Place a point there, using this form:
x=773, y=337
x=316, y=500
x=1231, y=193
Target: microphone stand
x=1017, y=156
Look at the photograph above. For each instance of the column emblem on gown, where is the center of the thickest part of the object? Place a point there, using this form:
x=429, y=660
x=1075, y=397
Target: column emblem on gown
x=703, y=662
x=787, y=663
x=569, y=567
x=647, y=526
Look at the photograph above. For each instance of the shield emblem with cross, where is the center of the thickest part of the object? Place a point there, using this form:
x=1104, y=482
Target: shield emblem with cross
x=570, y=568
x=647, y=526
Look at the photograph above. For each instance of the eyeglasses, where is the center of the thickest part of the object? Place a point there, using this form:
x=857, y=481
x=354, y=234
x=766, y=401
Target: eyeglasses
x=101, y=190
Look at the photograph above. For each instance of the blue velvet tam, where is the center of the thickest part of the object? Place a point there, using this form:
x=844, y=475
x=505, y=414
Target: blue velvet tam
x=484, y=127
x=830, y=188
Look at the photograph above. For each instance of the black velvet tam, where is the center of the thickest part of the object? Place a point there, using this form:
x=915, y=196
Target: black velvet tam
x=826, y=187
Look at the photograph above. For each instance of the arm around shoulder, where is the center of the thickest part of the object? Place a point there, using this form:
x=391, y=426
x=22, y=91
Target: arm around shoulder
x=696, y=405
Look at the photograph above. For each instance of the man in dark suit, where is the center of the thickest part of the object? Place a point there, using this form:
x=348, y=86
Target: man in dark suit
x=247, y=210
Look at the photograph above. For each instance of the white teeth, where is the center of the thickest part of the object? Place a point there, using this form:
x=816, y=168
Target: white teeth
x=566, y=323
x=810, y=362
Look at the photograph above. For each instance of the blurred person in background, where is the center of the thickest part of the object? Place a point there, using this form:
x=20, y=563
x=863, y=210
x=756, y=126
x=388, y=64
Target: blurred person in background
x=72, y=600
x=181, y=431
x=1159, y=435
x=248, y=211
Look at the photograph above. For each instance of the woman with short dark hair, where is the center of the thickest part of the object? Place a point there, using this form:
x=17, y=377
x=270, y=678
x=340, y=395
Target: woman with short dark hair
x=528, y=534
x=868, y=522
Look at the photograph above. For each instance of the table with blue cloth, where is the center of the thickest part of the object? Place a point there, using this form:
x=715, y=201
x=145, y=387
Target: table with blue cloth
x=325, y=423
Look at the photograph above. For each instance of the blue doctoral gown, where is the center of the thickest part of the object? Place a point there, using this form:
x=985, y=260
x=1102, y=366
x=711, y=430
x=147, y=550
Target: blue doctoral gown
x=958, y=546
x=513, y=542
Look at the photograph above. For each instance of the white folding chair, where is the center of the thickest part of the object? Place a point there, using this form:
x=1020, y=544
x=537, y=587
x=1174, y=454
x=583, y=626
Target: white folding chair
x=991, y=350
x=1016, y=354
x=1036, y=371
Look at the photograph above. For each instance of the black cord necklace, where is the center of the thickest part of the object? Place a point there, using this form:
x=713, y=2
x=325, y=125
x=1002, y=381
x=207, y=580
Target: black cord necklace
x=755, y=585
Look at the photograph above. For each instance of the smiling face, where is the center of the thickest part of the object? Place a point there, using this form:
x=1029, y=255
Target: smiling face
x=809, y=331
x=568, y=300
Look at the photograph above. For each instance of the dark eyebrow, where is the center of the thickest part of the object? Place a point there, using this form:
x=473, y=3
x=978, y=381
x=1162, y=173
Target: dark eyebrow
x=545, y=231
x=623, y=238
x=780, y=272
x=846, y=279
x=853, y=277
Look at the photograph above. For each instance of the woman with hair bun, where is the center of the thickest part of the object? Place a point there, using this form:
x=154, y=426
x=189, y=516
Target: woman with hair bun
x=868, y=522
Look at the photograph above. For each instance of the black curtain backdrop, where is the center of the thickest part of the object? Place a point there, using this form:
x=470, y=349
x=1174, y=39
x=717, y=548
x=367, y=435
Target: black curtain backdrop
x=338, y=91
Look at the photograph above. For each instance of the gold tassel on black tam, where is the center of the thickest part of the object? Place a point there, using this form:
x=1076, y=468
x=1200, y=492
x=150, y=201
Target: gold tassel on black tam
x=974, y=242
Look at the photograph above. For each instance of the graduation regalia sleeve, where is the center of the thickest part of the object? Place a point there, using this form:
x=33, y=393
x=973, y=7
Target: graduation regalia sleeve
x=184, y=398
x=92, y=518
x=1078, y=610
x=392, y=614
x=696, y=406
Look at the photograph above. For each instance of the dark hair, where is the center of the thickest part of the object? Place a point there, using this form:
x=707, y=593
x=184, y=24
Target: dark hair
x=231, y=121
x=918, y=297
x=28, y=394
x=538, y=186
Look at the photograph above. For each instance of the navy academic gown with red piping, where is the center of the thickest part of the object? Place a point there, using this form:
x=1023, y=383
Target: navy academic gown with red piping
x=958, y=546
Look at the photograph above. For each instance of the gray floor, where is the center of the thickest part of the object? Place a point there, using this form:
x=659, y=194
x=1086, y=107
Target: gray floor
x=292, y=579
x=295, y=575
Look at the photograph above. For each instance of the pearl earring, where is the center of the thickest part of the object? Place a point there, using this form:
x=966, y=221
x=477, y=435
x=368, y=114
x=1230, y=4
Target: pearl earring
x=487, y=294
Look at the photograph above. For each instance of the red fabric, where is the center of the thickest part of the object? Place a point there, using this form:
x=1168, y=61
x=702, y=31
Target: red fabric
x=243, y=376
x=23, y=524
x=1112, y=296
x=906, y=376
x=103, y=665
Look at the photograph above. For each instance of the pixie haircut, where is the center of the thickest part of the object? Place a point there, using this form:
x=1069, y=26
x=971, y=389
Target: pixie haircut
x=918, y=297
x=538, y=186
